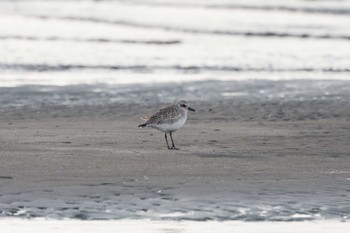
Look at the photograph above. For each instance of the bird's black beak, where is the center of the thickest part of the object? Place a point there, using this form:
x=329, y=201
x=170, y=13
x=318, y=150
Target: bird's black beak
x=191, y=109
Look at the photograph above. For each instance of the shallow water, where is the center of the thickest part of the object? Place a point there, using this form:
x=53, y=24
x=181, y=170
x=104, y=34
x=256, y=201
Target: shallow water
x=293, y=93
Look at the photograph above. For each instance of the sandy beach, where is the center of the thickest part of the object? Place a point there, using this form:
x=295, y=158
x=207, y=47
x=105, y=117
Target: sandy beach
x=93, y=162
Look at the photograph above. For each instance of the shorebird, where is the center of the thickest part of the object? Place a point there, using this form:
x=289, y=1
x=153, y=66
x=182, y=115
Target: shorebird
x=168, y=120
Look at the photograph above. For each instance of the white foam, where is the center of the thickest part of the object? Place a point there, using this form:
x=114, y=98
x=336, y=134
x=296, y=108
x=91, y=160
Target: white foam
x=14, y=79
x=148, y=226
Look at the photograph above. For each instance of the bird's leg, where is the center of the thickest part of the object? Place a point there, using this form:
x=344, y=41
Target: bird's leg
x=173, y=146
x=166, y=139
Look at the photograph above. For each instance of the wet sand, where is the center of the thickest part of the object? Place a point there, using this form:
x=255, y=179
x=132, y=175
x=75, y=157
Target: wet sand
x=96, y=164
x=67, y=148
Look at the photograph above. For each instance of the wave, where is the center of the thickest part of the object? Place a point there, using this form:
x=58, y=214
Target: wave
x=302, y=9
x=198, y=30
x=150, y=68
x=337, y=8
x=337, y=11
x=94, y=40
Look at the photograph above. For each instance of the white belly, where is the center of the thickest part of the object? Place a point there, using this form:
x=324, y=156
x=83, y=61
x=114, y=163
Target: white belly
x=166, y=128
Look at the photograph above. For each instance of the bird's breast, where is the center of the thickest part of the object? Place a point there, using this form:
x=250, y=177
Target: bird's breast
x=171, y=127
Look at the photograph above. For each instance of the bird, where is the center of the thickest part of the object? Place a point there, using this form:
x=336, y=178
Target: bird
x=168, y=120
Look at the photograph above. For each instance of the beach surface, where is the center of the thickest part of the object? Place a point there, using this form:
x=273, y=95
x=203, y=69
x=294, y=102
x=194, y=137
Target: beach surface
x=239, y=159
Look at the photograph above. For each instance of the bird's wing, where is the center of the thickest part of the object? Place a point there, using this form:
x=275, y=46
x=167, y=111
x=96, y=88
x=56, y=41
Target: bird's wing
x=164, y=116
x=154, y=116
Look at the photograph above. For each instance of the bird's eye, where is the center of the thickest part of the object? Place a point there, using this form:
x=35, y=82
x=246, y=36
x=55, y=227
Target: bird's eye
x=182, y=105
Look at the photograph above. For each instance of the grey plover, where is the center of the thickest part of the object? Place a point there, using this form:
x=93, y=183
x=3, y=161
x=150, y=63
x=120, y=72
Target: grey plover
x=168, y=120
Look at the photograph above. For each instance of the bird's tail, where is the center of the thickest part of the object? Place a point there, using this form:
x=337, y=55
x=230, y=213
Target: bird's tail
x=142, y=125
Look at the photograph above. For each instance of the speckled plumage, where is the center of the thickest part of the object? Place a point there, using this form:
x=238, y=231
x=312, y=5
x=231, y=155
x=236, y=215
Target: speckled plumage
x=167, y=115
x=169, y=119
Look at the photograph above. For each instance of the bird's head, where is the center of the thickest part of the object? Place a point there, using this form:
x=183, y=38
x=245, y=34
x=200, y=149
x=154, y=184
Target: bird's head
x=185, y=105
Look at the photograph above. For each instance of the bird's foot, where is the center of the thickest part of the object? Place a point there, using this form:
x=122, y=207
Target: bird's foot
x=174, y=148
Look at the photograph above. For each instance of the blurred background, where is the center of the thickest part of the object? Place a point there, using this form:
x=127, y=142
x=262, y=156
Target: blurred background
x=111, y=44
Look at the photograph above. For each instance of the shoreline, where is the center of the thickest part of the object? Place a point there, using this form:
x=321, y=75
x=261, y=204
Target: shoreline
x=252, y=101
